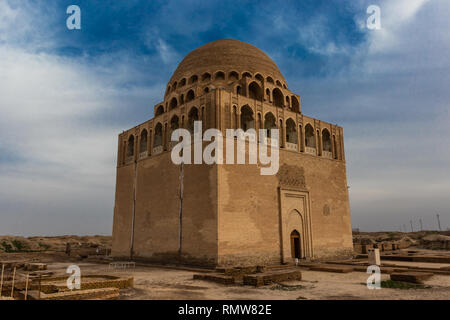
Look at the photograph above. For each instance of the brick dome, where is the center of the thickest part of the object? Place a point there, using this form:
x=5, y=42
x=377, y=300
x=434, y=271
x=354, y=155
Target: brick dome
x=226, y=55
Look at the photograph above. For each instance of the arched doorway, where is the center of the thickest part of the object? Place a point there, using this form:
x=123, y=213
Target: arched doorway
x=295, y=244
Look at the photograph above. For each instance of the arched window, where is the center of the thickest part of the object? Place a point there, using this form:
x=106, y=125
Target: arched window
x=130, y=146
x=269, y=123
x=143, y=141
x=295, y=104
x=206, y=90
x=287, y=101
x=255, y=91
x=192, y=116
x=235, y=118
x=247, y=120
x=174, y=86
x=193, y=79
x=219, y=76
x=269, y=79
x=182, y=99
x=259, y=121
x=159, y=110
x=173, y=103
x=326, y=141
x=158, y=135
x=233, y=75
x=238, y=90
x=291, y=132
x=310, y=140
x=259, y=77
x=277, y=97
x=190, y=96
x=167, y=90
x=206, y=76
x=182, y=82
x=278, y=83
x=246, y=75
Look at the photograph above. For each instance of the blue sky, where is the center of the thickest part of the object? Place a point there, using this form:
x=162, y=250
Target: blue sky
x=66, y=94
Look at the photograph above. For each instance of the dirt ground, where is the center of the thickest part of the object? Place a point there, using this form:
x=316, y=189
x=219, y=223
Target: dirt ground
x=175, y=284
x=156, y=282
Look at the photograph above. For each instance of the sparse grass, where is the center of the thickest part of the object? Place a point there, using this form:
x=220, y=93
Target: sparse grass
x=8, y=248
x=402, y=285
x=20, y=246
x=16, y=246
x=44, y=246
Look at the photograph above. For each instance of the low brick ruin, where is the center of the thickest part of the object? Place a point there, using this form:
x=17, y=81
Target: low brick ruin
x=413, y=277
x=251, y=275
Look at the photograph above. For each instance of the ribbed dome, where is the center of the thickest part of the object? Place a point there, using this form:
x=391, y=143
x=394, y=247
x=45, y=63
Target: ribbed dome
x=227, y=55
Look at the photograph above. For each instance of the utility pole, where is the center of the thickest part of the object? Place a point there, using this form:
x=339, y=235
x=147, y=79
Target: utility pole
x=412, y=230
x=439, y=222
x=421, y=227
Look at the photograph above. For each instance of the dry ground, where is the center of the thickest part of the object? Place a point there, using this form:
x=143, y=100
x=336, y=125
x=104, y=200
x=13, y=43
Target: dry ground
x=171, y=284
x=153, y=282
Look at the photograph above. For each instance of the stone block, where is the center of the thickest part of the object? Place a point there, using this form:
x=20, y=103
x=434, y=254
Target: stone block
x=218, y=278
x=413, y=277
x=332, y=268
x=374, y=257
x=261, y=279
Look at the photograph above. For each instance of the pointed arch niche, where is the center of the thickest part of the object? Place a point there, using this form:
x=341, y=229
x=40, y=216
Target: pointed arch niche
x=295, y=216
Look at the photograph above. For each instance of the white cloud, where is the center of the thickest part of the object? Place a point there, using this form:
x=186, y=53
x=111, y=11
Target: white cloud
x=57, y=154
x=396, y=19
x=168, y=55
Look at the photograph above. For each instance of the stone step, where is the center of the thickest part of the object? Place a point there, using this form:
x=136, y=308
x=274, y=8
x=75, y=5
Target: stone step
x=261, y=279
x=239, y=271
x=413, y=277
x=76, y=294
x=331, y=268
x=218, y=278
x=418, y=258
x=387, y=270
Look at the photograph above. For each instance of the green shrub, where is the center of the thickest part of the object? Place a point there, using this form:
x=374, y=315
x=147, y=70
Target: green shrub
x=8, y=248
x=20, y=246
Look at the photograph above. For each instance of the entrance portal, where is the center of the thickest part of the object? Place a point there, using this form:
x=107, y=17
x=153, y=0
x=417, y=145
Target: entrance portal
x=295, y=244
